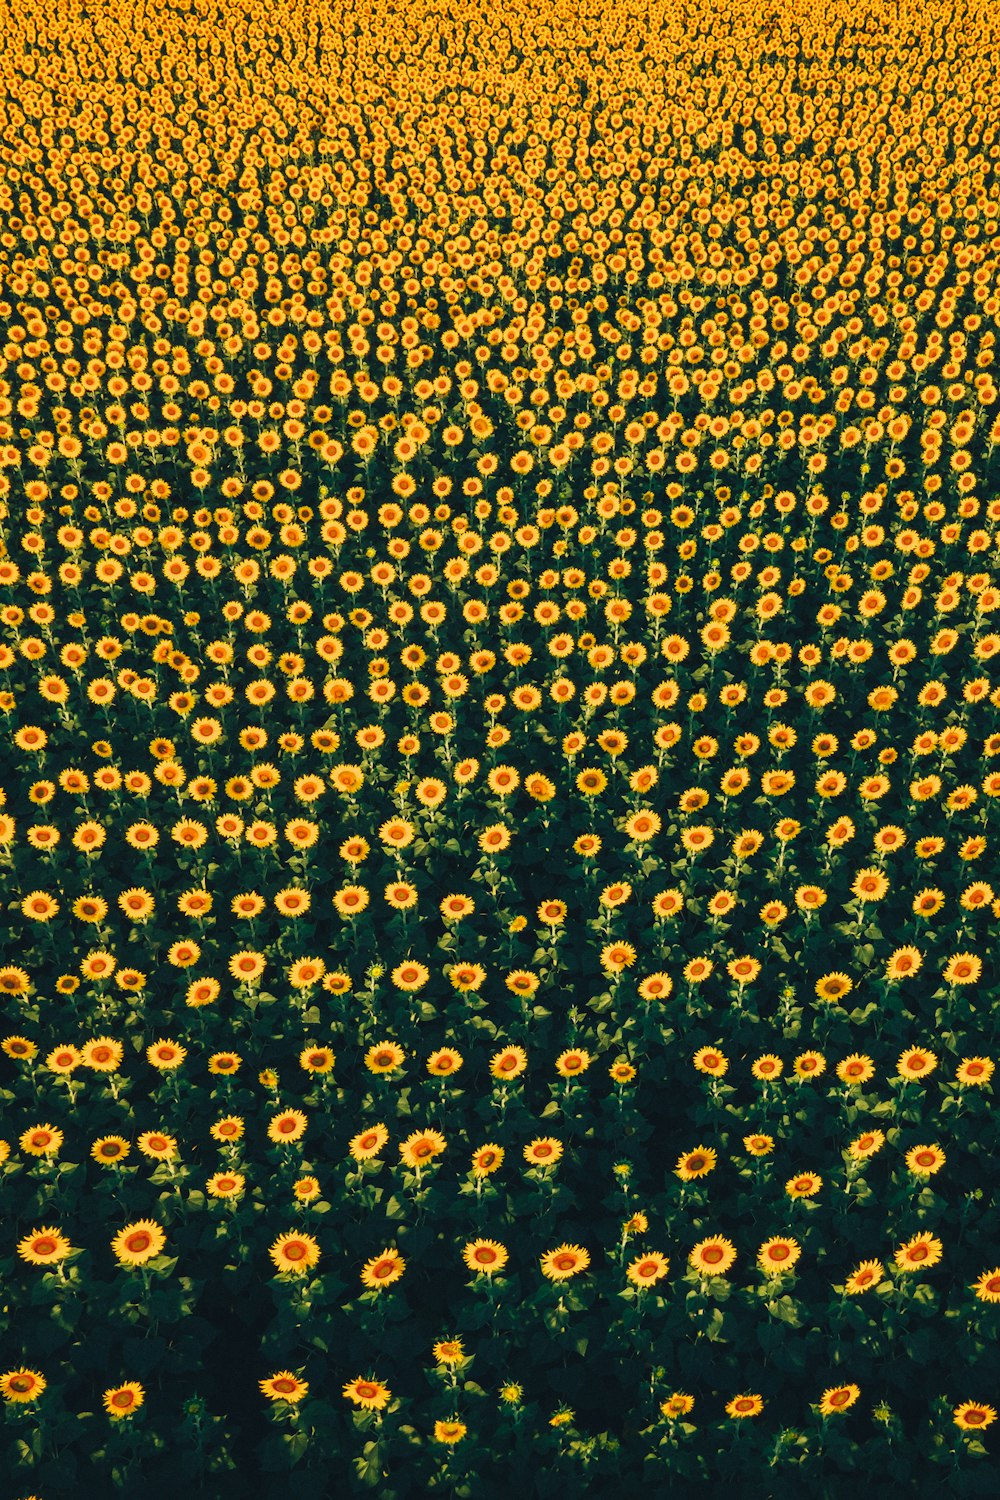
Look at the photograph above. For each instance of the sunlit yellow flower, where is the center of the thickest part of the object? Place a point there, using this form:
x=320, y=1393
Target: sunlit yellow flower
x=122, y=1401
x=838, y=1398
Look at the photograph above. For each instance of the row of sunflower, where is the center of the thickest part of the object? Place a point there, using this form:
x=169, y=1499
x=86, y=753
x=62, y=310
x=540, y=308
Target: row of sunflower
x=499, y=751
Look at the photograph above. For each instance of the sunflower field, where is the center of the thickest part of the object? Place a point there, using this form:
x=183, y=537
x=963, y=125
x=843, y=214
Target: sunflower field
x=499, y=749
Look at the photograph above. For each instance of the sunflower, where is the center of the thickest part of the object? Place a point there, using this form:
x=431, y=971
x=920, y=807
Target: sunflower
x=679, y=1404
x=712, y=1257
x=648, y=1269
x=138, y=1242
x=102, y=1055
x=384, y=1057
x=759, y=1145
x=805, y=1185
x=711, y=1061
x=284, y=1386
x=247, y=966
x=64, y=1060
x=591, y=782
x=444, y=1062
x=809, y=1065
x=778, y=1255
x=975, y=1072
x=485, y=1257
x=696, y=1163
x=317, y=1059
x=510, y=1063
x=224, y=1064
x=622, y=1071
x=810, y=898
x=963, y=968
x=924, y=1161
x=41, y=1140
x=397, y=833
x=165, y=1055
x=903, y=963
x=833, y=987
x=744, y=1406
x=869, y=885
x=564, y=1262
x=351, y=901
x=972, y=1416
x=487, y=1159
x=123, y=1400
x=543, y=1151
x=288, y=1127
x=225, y=1185
x=400, y=895
x=294, y=1254
x=90, y=908
x=39, y=906
x=202, y=992
x=22, y=1385
x=865, y=1276
x=44, y=1247
x=987, y=1288
x=20, y=1047
x=856, y=1069
x=450, y=1432
x=305, y=972
x=838, y=1398
x=916, y=1063
x=743, y=970
x=697, y=970
x=617, y=957
x=420, y=1148
x=919, y=1253
x=368, y=1143
x=928, y=902
x=572, y=1063
x=382, y=1270
x=866, y=1145
x=767, y=1067
x=448, y=1351
x=291, y=901
x=467, y=978
x=697, y=839
x=110, y=1149
x=368, y=1394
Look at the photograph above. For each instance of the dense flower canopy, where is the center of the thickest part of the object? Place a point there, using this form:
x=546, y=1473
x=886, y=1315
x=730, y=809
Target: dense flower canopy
x=498, y=747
